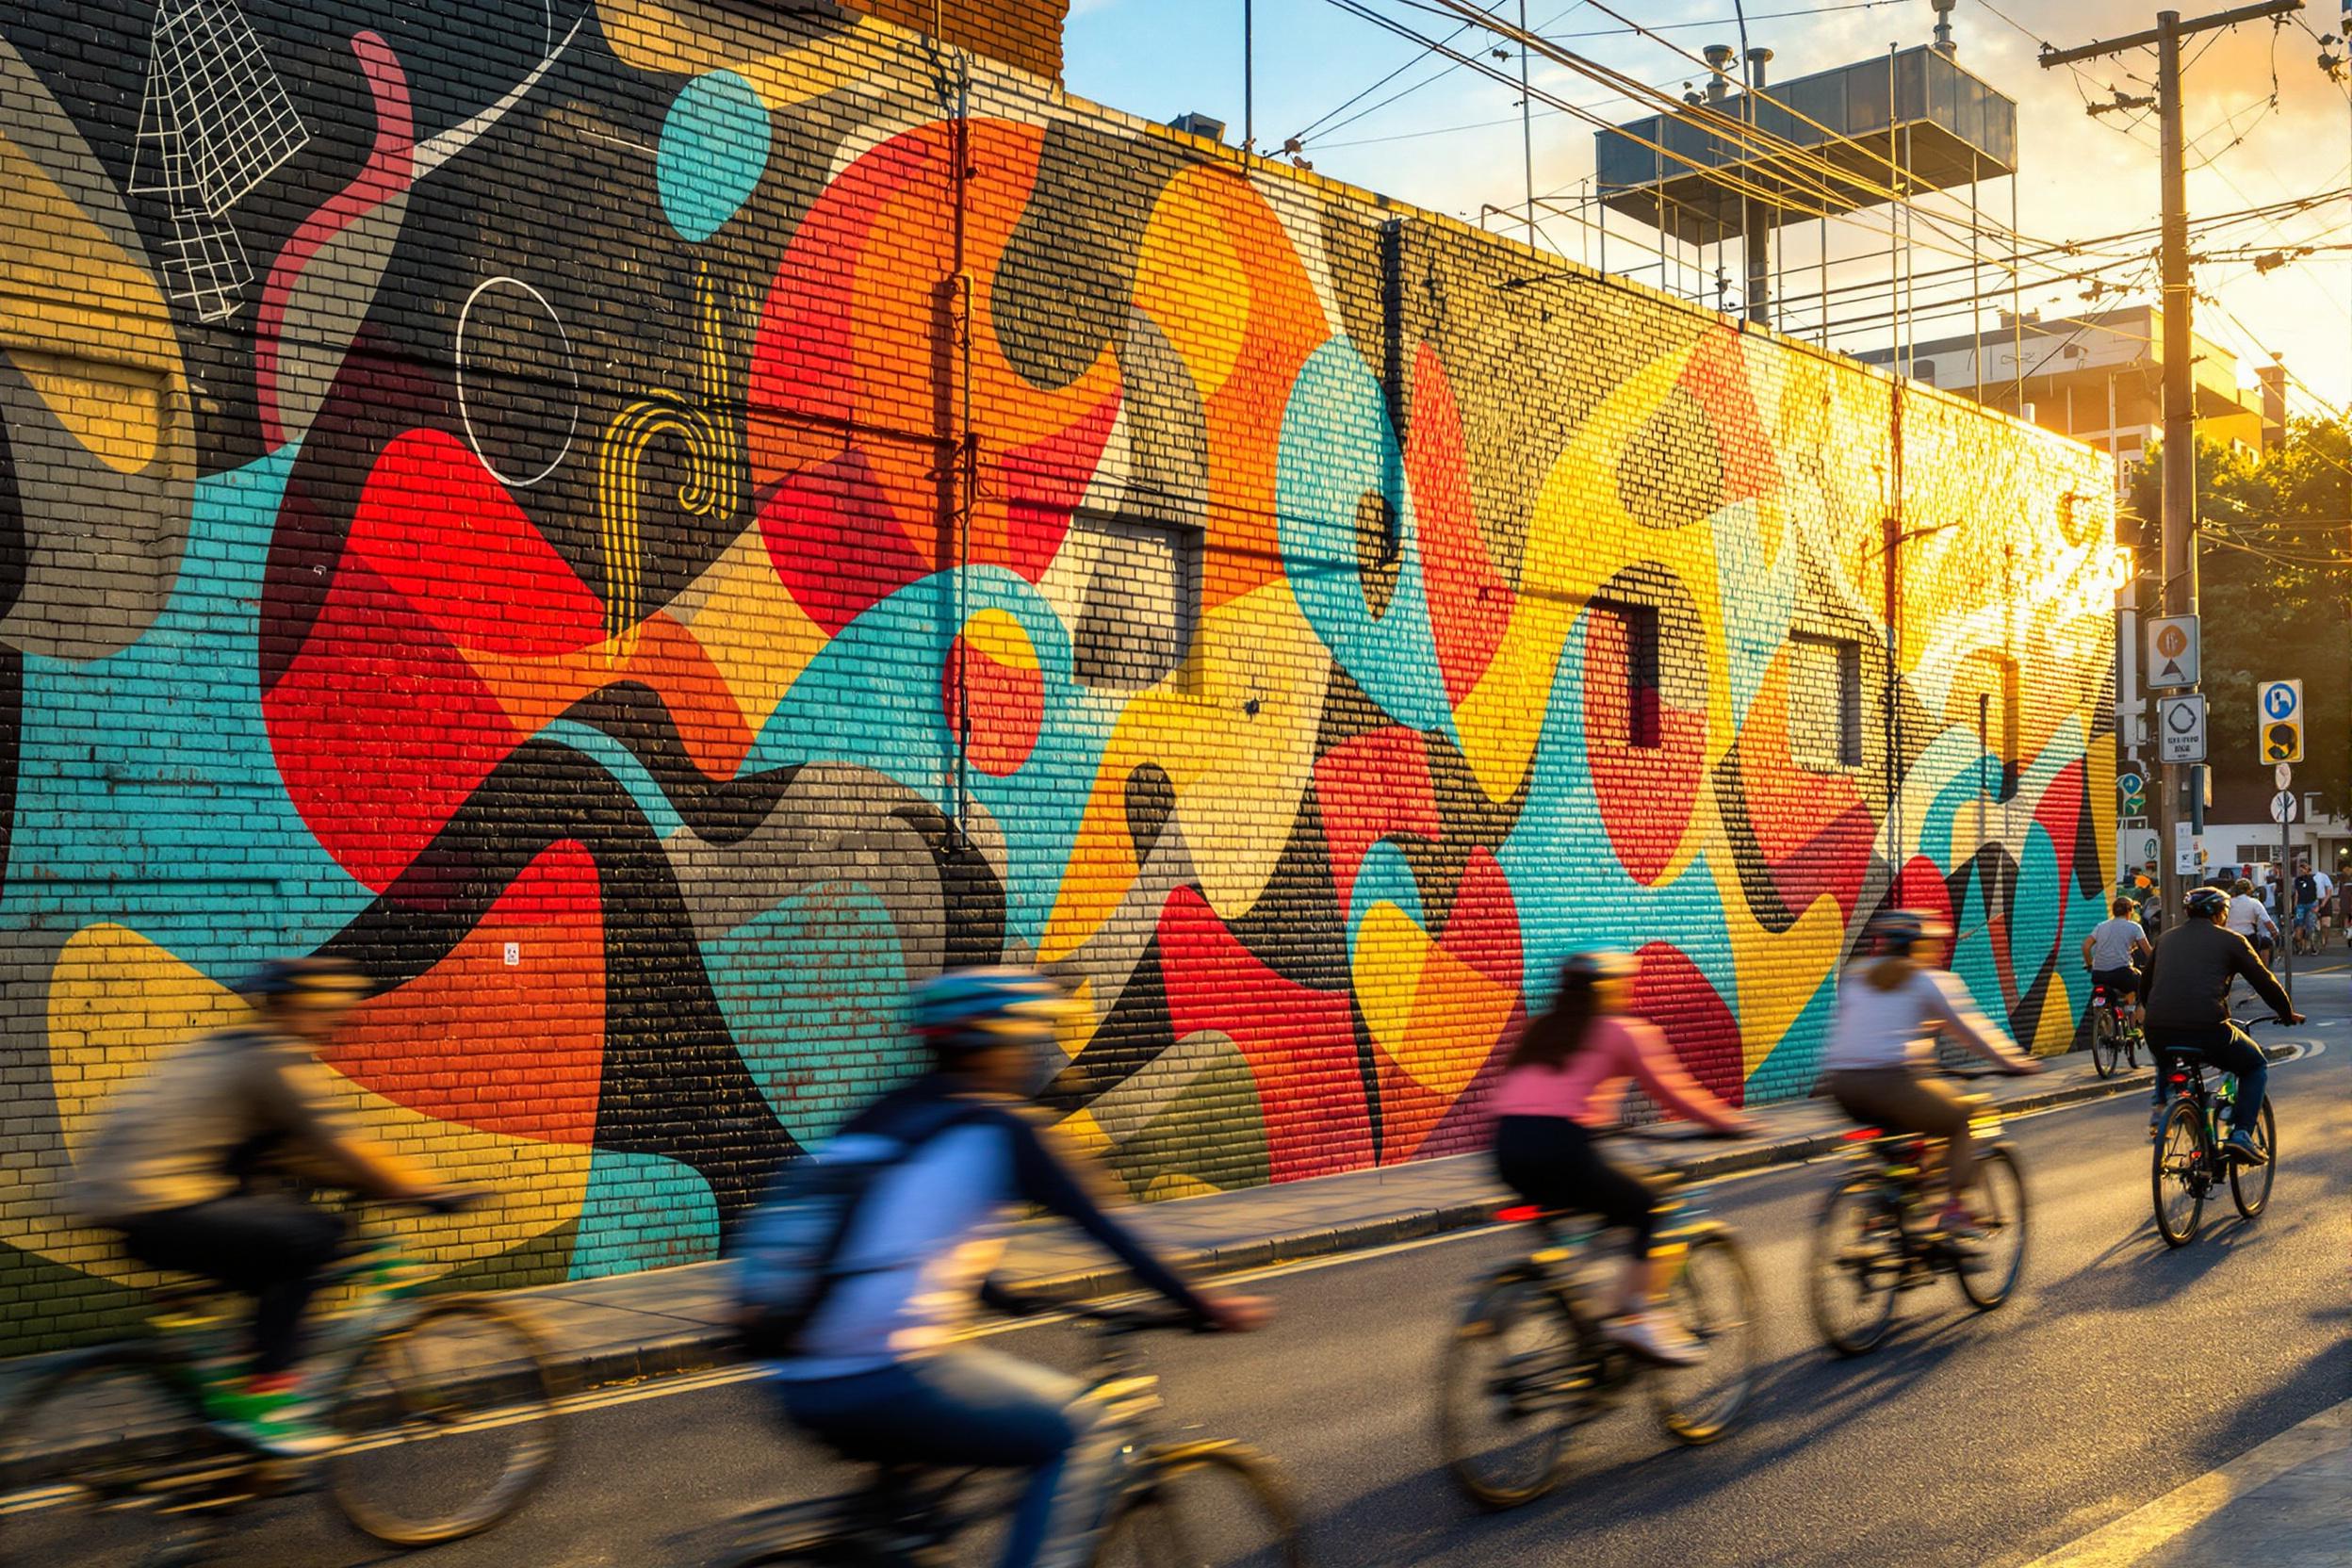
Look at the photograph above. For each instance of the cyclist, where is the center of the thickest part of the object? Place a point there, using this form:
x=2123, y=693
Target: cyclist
x=874, y=1372
x=2184, y=1005
x=1566, y=1082
x=2249, y=917
x=1880, y=1064
x=2113, y=950
x=181, y=1168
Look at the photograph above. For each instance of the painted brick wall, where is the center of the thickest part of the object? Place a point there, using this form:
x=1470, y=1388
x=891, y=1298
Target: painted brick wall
x=1026, y=33
x=650, y=527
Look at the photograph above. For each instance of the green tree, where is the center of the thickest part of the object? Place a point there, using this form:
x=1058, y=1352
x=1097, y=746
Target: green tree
x=2275, y=563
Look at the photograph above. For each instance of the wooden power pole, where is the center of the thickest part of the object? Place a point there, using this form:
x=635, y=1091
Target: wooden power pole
x=2180, y=513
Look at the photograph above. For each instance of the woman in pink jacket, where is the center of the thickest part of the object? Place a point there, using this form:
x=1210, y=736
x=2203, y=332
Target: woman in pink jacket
x=1563, y=1085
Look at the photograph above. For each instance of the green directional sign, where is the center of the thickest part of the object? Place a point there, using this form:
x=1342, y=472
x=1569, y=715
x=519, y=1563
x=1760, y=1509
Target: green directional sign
x=2132, y=788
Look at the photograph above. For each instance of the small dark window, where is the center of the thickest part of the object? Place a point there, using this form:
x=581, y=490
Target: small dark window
x=1134, y=627
x=1824, y=703
x=1627, y=635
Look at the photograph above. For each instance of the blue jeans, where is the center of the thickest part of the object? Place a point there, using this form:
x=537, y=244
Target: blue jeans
x=2224, y=1046
x=977, y=1407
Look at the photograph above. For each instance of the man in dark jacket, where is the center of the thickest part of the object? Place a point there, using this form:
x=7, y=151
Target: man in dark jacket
x=2184, y=1004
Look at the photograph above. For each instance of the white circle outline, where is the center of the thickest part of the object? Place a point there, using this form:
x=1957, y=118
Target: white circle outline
x=465, y=416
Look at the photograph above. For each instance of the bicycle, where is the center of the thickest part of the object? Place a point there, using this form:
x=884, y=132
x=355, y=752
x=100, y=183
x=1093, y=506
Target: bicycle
x=2116, y=1038
x=1162, y=1514
x=443, y=1407
x=2189, y=1158
x=1567, y=1373
x=1875, y=1237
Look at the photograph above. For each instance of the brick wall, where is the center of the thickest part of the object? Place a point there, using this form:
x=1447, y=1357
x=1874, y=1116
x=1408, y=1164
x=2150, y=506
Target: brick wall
x=650, y=527
x=1026, y=33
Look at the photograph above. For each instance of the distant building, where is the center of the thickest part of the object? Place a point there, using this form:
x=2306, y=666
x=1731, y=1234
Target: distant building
x=2099, y=379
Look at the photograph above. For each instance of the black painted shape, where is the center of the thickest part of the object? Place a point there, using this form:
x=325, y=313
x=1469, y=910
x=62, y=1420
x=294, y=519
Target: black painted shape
x=1150, y=799
x=720, y=811
x=1135, y=1034
x=673, y=1084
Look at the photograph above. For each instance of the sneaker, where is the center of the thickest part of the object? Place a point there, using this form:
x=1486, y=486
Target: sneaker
x=1957, y=1225
x=281, y=1422
x=2240, y=1146
x=1654, y=1336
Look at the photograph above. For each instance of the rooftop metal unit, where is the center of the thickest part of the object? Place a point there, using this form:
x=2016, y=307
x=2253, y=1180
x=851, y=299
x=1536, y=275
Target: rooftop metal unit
x=1915, y=110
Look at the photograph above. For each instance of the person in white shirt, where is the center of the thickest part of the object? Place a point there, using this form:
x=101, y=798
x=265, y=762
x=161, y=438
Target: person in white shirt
x=1879, y=1065
x=2113, y=952
x=2327, y=899
x=2249, y=919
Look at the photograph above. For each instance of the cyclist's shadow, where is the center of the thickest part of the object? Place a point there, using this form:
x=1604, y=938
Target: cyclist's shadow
x=2138, y=1267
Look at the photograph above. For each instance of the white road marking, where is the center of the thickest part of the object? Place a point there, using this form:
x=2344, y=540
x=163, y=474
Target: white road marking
x=2130, y=1539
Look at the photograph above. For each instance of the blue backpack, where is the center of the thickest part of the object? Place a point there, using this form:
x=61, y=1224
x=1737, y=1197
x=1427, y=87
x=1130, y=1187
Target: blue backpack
x=784, y=1254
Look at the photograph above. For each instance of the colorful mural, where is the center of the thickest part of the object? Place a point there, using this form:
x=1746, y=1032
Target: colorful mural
x=648, y=536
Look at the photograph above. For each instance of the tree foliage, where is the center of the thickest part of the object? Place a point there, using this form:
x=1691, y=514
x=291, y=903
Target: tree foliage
x=2274, y=561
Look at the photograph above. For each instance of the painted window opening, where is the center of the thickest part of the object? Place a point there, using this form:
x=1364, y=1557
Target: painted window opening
x=1626, y=635
x=1140, y=598
x=1825, y=703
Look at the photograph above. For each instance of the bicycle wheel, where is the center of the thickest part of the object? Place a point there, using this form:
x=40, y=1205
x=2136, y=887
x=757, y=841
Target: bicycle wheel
x=1204, y=1504
x=1503, y=1400
x=1857, y=1261
x=2000, y=1212
x=447, y=1422
x=1715, y=1298
x=2249, y=1186
x=2179, y=1173
x=2105, y=1045
x=104, y=1461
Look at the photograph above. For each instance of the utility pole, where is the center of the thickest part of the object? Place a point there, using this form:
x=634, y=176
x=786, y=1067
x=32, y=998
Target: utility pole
x=2179, y=296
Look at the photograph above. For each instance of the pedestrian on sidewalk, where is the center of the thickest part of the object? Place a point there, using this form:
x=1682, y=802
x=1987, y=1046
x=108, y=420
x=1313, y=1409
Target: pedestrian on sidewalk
x=1565, y=1084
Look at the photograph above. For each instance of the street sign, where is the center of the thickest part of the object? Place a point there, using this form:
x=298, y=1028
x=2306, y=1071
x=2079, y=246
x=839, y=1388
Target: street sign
x=2180, y=727
x=2282, y=807
x=2283, y=722
x=2132, y=788
x=2282, y=775
x=2136, y=850
x=2172, y=650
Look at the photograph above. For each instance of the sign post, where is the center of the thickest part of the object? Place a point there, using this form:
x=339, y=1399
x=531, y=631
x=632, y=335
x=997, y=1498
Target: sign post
x=2282, y=812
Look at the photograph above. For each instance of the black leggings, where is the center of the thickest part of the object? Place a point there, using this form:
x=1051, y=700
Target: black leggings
x=270, y=1248
x=1550, y=1161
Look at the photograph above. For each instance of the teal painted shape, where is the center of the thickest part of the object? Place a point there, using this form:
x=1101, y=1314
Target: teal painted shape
x=1337, y=446
x=1974, y=959
x=615, y=758
x=814, y=992
x=1758, y=602
x=1794, y=1061
x=147, y=791
x=641, y=1211
x=714, y=151
x=1384, y=877
x=872, y=697
x=1571, y=892
x=2036, y=914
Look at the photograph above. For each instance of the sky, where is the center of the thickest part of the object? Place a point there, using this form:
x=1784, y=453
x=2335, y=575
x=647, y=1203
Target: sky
x=1452, y=141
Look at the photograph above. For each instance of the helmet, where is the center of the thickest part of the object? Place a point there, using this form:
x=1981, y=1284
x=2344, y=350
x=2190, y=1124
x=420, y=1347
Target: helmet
x=312, y=979
x=1900, y=930
x=2205, y=903
x=1591, y=969
x=968, y=1009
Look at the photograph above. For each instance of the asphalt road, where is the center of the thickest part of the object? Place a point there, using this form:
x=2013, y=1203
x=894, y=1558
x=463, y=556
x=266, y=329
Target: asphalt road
x=2119, y=1371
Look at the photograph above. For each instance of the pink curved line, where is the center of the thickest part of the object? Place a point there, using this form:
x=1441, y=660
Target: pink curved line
x=391, y=168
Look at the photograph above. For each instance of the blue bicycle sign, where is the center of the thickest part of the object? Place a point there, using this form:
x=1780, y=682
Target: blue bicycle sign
x=2280, y=698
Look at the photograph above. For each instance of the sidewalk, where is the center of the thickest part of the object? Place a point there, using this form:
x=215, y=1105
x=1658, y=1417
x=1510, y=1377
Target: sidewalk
x=674, y=1320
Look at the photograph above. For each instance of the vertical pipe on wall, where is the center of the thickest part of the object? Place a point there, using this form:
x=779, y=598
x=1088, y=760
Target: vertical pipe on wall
x=960, y=454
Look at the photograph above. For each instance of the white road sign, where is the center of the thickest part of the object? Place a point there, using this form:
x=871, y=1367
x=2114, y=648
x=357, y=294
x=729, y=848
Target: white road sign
x=2283, y=775
x=2172, y=651
x=2282, y=807
x=2180, y=727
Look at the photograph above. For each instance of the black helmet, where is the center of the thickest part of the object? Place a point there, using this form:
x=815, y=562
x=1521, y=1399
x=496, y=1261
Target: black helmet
x=1586, y=970
x=1900, y=930
x=2205, y=903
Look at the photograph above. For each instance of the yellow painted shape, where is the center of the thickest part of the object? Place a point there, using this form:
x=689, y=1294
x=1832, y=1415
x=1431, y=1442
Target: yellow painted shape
x=689, y=39
x=1177, y=1185
x=84, y=323
x=1389, y=953
x=1191, y=279
x=1084, y=1132
x=118, y=1003
x=996, y=633
x=1778, y=972
x=1458, y=1015
x=750, y=627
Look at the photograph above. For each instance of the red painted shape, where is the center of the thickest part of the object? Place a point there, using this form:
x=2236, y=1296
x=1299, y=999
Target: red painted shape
x=2061, y=812
x=1470, y=603
x=1483, y=929
x=1300, y=1043
x=1672, y=994
x=1923, y=886
x=1646, y=794
x=1007, y=706
x=390, y=167
x=1482, y=935
x=1715, y=376
x=1371, y=788
x=446, y=1043
x=380, y=728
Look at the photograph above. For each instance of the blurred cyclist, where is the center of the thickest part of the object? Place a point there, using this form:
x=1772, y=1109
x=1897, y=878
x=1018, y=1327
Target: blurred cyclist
x=1879, y=1065
x=2185, y=1006
x=176, y=1164
x=875, y=1371
x=1565, y=1084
